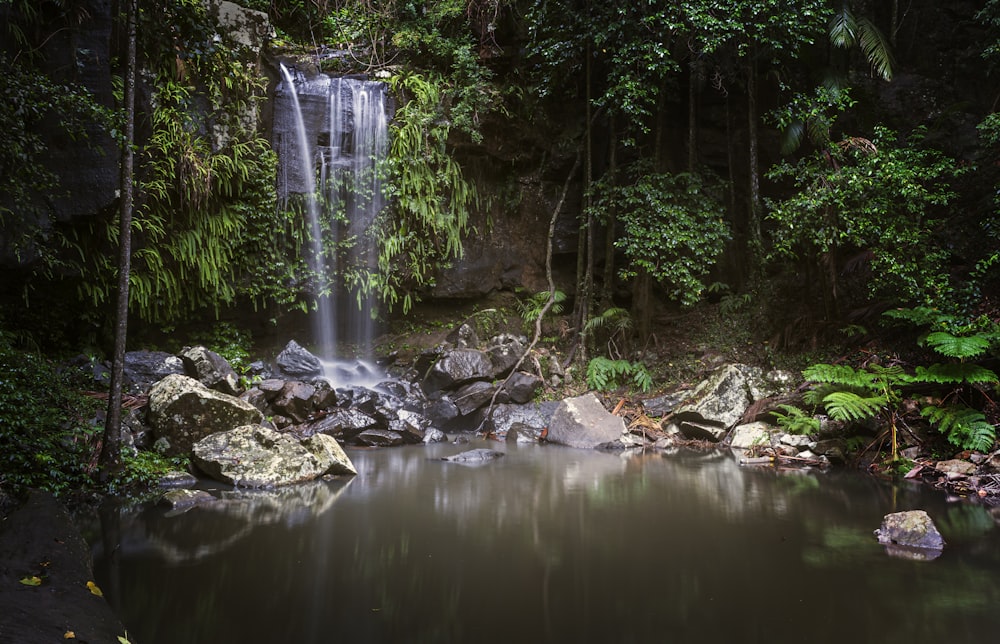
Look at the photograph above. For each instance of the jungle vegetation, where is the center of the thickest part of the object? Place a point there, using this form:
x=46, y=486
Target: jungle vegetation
x=811, y=160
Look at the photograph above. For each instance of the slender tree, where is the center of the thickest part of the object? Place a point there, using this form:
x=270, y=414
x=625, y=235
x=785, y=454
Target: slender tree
x=110, y=462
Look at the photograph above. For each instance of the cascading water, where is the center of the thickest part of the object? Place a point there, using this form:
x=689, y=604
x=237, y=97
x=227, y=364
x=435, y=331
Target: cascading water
x=330, y=135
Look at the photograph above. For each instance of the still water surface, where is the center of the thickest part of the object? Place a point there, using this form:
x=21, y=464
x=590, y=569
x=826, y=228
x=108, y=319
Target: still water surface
x=553, y=544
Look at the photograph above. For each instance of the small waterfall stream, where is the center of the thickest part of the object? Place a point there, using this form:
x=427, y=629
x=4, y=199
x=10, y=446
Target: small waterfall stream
x=330, y=135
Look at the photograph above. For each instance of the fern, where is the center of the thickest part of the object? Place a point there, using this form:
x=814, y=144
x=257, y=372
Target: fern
x=532, y=307
x=964, y=427
x=604, y=374
x=796, y=421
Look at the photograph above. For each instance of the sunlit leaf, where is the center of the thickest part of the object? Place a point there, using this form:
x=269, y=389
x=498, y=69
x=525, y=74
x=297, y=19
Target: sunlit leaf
x=69, y=635
x=32, y=581
x=92, y=587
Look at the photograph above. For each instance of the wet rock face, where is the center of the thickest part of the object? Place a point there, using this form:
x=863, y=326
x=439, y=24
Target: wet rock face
x=144, y=368
x=183, y=411
x=210, y=369
x=296, y=362
x=259, y=457
x=458, y=367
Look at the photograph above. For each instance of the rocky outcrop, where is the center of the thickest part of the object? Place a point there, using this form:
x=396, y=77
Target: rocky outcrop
x=259, y=457
x=182, y=411
x=584, y=422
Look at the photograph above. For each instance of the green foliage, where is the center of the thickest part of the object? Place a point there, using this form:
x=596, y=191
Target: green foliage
x=206, y=229
x=674, y=228
x=879, y=392
x=33, y=100
x=47, y=437
x=796, y=421
x=604, y=374
x=230, y=342
x=811, y=116
x=432, y=197
x=144, y=469
x=875, y=196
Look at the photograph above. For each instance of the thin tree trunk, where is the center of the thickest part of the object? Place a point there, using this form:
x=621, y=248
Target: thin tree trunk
x=585, y=246
x=693, y=116
x=110, y=461
x=753, y=224
x=607, y=293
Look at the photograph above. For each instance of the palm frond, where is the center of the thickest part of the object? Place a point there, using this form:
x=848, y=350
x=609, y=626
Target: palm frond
x=875, y=47
x=843, y=28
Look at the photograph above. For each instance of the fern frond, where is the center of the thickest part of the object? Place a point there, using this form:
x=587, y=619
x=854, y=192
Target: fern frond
x=796, y=421
x=957, y=346
x=965, y=427
x=849, y=406
x=955, y=373
x=918, y=316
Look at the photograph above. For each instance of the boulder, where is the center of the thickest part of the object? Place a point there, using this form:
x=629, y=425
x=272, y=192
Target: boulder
x=584, y=422
x=474, y=456
x=456, y=368
x=441, y=410
x=472, y=396
x=911, y=535
x=522, y=387
x=182, y=411
x=342, y=423
x=210, y=369
x=716, y=404
x=505, y=350
x=534, y=415
x=751, y=435
x=258, y=457
x=379, y=438
x=463, y=337
x=185, y=499
x=295, y=400
x=434, y=435
x=144, y=368
x=295, y=361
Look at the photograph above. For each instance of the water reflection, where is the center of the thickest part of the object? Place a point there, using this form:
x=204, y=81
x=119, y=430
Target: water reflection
x=558, y=545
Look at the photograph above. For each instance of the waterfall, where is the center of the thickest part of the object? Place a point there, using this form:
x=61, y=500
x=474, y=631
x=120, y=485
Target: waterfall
x=330, y=135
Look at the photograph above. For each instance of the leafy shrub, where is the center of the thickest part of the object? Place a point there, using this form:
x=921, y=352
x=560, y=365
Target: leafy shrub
x=47, y=439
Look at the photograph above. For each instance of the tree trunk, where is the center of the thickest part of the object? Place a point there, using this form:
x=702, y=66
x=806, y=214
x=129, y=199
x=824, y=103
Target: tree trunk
x=607, y=292
x=110, y=460
x=585, y=245
x=693, y=116
x=755, y=238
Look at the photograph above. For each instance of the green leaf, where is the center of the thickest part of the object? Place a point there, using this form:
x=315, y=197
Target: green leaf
x=955, y=373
